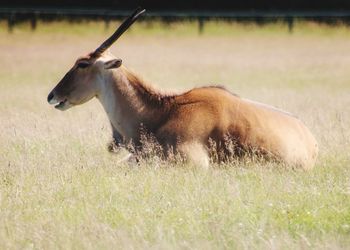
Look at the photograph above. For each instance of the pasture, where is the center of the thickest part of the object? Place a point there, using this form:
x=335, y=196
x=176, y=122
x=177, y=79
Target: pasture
x=61, y=189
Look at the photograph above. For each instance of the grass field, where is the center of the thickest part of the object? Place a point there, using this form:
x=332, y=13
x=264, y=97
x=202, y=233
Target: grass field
x=61, y=189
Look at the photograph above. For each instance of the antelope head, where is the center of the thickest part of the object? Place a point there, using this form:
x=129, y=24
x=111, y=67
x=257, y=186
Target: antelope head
x=80, y=84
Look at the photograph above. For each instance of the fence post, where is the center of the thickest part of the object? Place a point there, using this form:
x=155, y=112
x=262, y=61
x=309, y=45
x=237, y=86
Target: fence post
x=33, y=22
x=107, y=21
x=200, y=25
x=290, y=22
x=11, y=22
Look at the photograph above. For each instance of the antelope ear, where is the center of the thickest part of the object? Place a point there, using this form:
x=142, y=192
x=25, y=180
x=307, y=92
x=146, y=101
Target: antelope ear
x=112, y=64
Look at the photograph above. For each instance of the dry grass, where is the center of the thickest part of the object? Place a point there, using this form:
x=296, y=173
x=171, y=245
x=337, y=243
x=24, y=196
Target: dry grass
x=59, y=188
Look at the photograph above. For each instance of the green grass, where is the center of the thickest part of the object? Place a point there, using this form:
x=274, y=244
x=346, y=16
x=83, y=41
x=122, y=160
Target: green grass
x=61, y=189
x=183, y=28
x=103, y=205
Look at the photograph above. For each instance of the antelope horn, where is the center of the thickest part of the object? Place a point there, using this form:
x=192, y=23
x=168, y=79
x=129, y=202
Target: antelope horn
x=122, y=28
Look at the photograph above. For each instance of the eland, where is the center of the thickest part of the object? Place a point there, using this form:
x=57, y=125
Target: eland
x=191, y=124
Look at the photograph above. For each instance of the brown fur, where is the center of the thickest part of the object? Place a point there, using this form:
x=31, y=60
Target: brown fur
x=214, y=113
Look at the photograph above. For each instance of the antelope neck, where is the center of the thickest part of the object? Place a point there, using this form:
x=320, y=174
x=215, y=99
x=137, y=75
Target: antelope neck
x=126, y=109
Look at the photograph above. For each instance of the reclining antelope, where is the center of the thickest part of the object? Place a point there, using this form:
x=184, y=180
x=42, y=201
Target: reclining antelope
x=184, y=123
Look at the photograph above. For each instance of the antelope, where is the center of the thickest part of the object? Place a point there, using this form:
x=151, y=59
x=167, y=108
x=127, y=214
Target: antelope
x=186, y=123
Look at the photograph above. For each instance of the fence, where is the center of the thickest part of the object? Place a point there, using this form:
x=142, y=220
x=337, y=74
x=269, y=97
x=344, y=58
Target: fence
x=32, y=15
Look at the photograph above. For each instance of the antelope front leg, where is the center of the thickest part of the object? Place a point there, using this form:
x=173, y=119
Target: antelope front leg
x=117, y=141
x=194, y=153
x=117, y=146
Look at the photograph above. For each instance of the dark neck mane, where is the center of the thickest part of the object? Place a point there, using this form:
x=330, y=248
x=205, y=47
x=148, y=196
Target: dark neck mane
x=146, y=92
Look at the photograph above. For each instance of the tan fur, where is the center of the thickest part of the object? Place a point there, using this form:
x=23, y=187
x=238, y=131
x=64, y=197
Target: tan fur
x=187, y=122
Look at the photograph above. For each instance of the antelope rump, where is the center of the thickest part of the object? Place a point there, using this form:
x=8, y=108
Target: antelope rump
x=191, y=124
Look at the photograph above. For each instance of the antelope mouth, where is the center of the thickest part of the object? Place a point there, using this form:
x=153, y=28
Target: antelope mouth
x=61, y=104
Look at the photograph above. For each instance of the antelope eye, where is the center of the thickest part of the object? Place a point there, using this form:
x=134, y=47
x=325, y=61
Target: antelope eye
x=83, y=65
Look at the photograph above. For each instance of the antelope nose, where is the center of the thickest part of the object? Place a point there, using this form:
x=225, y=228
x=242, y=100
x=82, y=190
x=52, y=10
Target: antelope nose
x=49, y=97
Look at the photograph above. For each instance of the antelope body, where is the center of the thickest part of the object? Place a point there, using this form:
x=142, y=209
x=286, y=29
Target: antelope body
x=187, y=123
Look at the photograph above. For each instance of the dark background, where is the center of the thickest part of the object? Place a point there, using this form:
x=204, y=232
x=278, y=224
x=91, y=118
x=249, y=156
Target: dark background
x=193, y=5
x=330, y=12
